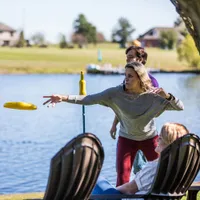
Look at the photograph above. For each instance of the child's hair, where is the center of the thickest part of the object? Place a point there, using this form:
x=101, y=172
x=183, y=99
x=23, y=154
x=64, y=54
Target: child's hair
x=140, y=53
x=172, y=131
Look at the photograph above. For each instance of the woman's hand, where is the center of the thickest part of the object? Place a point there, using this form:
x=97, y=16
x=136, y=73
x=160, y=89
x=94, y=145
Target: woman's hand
x=113, y=131
x=161, y=92
x=53, y=99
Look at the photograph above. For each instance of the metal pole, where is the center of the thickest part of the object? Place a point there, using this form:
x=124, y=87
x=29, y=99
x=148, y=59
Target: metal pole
x=82, y=91
x=83, y=114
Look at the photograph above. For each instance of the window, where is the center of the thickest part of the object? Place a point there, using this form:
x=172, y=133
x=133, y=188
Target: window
x=151, y=33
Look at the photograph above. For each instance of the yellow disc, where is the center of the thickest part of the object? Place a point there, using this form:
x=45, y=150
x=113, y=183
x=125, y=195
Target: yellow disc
x=20, y=105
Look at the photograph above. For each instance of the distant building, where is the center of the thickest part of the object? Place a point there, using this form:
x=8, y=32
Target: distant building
x=8, y=35
x=151, y=38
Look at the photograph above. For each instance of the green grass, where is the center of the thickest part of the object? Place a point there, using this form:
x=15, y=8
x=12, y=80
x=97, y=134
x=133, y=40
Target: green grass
x=34, y=196
x=55, y=60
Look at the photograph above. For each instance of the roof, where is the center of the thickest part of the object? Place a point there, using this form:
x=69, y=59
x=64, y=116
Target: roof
x=4, y=27
x=154, y=33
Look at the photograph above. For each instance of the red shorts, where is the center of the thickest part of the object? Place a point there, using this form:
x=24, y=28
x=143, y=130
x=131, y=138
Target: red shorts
x=126, y=151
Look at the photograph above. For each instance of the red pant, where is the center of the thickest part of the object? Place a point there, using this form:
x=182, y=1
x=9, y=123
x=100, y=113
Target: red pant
x=126, y=151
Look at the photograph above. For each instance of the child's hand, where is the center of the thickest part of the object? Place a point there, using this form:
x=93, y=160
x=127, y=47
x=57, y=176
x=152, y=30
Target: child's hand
x=113, y=131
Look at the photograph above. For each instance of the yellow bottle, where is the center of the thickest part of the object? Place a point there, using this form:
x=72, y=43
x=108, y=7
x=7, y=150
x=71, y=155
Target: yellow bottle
x=82, y=85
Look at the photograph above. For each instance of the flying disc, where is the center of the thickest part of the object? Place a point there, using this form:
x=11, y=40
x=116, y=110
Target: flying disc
x=20, y=106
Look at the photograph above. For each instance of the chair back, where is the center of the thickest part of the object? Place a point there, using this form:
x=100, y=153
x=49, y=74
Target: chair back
x=75, y=169
x=178, y=166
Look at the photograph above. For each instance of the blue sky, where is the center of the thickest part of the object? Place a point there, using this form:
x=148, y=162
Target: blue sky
x=52, y=17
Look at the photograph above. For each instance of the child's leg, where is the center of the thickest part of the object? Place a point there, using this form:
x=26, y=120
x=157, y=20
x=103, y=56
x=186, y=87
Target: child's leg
x=104, y=187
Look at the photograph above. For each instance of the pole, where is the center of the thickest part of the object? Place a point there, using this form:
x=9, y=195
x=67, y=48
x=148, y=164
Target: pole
x=99, y=55
x=83, y=114
x=82, y=91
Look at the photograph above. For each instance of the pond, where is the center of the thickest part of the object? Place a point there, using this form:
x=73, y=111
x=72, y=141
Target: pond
x=29, y=139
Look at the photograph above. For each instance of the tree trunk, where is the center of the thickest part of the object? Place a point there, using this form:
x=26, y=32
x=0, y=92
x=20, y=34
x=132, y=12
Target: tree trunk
x=189, y=10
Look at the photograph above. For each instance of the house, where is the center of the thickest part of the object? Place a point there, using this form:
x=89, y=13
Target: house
x=151, y=38
x=8, y=35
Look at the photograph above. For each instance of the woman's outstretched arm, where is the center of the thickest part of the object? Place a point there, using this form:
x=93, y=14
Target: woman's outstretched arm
x=103, y=98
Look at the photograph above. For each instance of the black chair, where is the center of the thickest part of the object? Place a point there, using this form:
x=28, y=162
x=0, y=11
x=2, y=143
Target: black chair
x=75, y=169
x=178, y=166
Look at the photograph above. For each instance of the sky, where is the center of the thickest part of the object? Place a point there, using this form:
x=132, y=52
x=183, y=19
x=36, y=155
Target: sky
x=52, y=17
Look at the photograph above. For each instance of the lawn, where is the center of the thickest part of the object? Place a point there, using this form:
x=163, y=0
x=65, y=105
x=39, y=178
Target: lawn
x=55, y=60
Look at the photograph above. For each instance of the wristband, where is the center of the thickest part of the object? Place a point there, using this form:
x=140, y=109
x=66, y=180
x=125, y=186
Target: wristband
x=171, y=97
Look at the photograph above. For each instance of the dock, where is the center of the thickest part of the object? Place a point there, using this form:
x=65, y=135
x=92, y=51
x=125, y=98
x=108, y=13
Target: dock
x=107, y=69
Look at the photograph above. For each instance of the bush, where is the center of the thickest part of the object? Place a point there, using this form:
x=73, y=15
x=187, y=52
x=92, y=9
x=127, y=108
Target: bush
x=187, y=51
x=168, y=39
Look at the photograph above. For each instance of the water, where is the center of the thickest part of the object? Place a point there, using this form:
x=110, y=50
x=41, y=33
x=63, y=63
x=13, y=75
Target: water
x=29, y=139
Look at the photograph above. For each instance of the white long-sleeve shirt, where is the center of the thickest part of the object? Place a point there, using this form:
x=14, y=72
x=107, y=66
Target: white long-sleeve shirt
x=145, y=177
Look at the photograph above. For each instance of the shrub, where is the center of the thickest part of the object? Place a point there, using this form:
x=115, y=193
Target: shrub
x=187, y=51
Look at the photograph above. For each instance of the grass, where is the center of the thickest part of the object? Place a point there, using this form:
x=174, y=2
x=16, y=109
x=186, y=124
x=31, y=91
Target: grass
x=55, y=60
x=37, y=196
x=28, y=196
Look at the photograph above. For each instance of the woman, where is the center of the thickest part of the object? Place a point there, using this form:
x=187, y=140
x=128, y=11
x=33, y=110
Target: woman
x=136, y=104
x=144, y=178
x=133, y=53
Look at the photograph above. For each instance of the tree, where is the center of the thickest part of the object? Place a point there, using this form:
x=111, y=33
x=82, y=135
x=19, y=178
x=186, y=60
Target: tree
x=79, y=39
x=188, y=52
x=38, y=39
x=178, y=22
x=180, y=26
x=92, y=34
x=168, y=39
x=21, y=42
x=122, y=32
x=63, y=42
x=189, y=12
x=83, y=27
